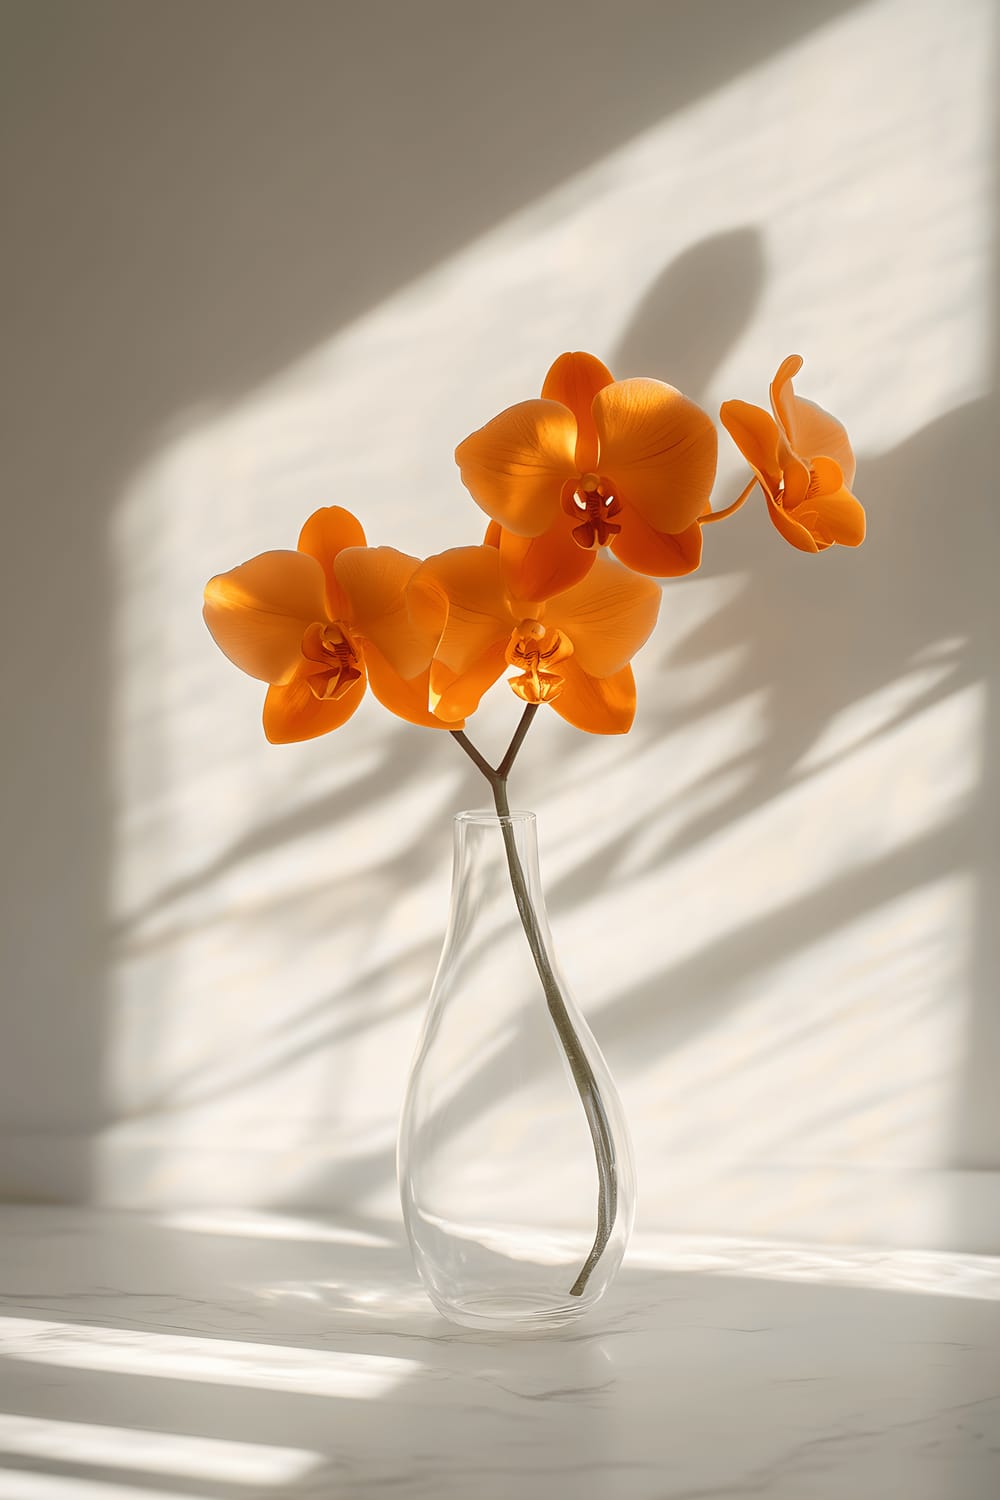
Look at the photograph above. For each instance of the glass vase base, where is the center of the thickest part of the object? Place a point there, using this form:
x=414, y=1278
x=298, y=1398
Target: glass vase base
x=526, y=1312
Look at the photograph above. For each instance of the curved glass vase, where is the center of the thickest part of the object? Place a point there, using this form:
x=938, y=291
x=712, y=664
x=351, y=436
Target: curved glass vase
x=515, y=1165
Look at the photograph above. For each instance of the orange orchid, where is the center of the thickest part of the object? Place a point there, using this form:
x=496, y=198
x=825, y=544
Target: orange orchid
x=594, y=462
x=804, y=463
x=572, y=650
x=316, y=623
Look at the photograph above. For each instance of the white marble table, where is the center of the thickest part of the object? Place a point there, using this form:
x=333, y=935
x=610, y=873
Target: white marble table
x=257, y=1355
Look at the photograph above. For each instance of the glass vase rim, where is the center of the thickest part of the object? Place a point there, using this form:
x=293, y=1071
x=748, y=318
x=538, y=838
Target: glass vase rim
x=487, y=817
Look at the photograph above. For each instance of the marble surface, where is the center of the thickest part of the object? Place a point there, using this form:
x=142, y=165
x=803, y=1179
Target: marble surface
x=256, y=1355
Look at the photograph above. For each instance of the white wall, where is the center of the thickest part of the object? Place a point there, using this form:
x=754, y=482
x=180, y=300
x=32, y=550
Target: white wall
x=267, y=258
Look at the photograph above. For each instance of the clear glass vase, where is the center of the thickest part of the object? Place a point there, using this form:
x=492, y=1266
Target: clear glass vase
x=515, y=1165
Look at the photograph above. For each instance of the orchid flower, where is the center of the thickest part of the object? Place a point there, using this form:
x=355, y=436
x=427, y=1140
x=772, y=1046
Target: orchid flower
x=317, y=623
x=571, y=651
x=803, y=461
x=594, y=462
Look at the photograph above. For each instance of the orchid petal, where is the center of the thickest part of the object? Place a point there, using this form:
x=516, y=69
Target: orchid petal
x=797, y=478
x=607, y=617
x=258, y=613
x=790, y=529
x=455, y=695
x=658, y=449
x=599, y=705
x=374, y=582
x=515, y=466
x=407, y=699
x=458, y=596
x=535, y=568
x=836, y=518
x=755, y=433
x=293, y=713
x=809, y=431
x=829, y=511
x=326, y=533
x=656, y=553
x=575, y=379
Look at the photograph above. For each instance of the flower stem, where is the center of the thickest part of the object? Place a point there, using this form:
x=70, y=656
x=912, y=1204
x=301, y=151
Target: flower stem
x=730, y=510
x=583, y=1073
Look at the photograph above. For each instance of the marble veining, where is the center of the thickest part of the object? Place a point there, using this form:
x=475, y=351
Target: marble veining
x=257, y=1356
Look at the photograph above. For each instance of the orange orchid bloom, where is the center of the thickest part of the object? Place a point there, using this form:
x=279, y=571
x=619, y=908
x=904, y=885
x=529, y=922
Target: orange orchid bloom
x=572, y=650
x=804, y=463
x=594, y=462
x=316, y=623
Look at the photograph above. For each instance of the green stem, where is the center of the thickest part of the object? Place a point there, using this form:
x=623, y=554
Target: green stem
x=583, y=1073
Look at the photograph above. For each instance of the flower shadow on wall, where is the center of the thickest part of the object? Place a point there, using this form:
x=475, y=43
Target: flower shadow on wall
x=695, y=313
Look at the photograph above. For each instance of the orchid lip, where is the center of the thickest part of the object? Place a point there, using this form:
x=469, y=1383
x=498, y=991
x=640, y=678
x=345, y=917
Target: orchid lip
x=333, y=661
x=593, y=504
x=536, y=653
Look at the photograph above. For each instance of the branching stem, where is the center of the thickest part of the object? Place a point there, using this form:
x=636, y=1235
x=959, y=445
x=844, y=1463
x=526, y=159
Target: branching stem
x=583, y=1073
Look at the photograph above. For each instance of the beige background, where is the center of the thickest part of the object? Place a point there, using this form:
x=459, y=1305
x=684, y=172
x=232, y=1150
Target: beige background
x=260, y=258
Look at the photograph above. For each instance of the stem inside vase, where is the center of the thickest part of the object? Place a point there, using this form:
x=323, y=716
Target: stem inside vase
x=583, y=1074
